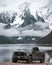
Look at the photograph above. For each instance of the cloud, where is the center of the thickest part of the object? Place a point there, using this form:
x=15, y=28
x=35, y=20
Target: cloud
x=14, y=32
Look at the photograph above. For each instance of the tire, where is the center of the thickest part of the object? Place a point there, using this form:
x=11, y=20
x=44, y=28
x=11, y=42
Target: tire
x=42, y=60
x=14, y=60
x=29, y=60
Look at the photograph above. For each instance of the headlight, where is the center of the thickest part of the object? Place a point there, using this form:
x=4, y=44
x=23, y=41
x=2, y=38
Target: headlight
x=27, y=54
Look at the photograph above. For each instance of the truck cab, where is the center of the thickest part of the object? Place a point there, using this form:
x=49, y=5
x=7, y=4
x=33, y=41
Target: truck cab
x=37, y=55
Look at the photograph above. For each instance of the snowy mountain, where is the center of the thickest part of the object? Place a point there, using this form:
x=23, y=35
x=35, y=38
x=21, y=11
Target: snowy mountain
x=26, y=18
x=23, y=17
x=25, y=24
x=7, y=17
x=46, y=13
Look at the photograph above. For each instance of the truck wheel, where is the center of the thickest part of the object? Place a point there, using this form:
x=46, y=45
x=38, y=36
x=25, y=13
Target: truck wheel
x=42, y=60
x=29, y=60
x=14, y=60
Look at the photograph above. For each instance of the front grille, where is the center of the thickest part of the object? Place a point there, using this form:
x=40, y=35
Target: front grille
x=20, y=53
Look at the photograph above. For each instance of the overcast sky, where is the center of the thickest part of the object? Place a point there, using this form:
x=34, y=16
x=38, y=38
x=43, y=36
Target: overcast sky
x=8, y=2
x=34, y=4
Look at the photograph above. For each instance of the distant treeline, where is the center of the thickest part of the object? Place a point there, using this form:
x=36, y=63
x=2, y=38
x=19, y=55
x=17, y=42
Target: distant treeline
x=15, y=40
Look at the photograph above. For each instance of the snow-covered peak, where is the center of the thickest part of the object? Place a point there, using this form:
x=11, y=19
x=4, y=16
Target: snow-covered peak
x=46, y=13
x=23, y=11
x=24, y=6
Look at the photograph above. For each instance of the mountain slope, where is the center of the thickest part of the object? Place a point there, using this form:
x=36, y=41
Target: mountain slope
x=46, y=40
x=26, y=15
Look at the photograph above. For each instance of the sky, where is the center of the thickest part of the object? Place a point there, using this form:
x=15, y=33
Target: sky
x=34, y=4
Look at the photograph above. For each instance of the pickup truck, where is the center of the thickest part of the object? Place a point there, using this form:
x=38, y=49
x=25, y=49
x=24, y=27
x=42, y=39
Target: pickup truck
x=22, y=55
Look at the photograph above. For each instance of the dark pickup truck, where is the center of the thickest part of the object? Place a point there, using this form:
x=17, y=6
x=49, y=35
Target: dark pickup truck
x=29, y=57
x=21, y=55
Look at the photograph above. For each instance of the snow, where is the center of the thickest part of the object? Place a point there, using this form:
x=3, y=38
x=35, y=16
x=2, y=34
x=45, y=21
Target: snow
x=17, y=20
